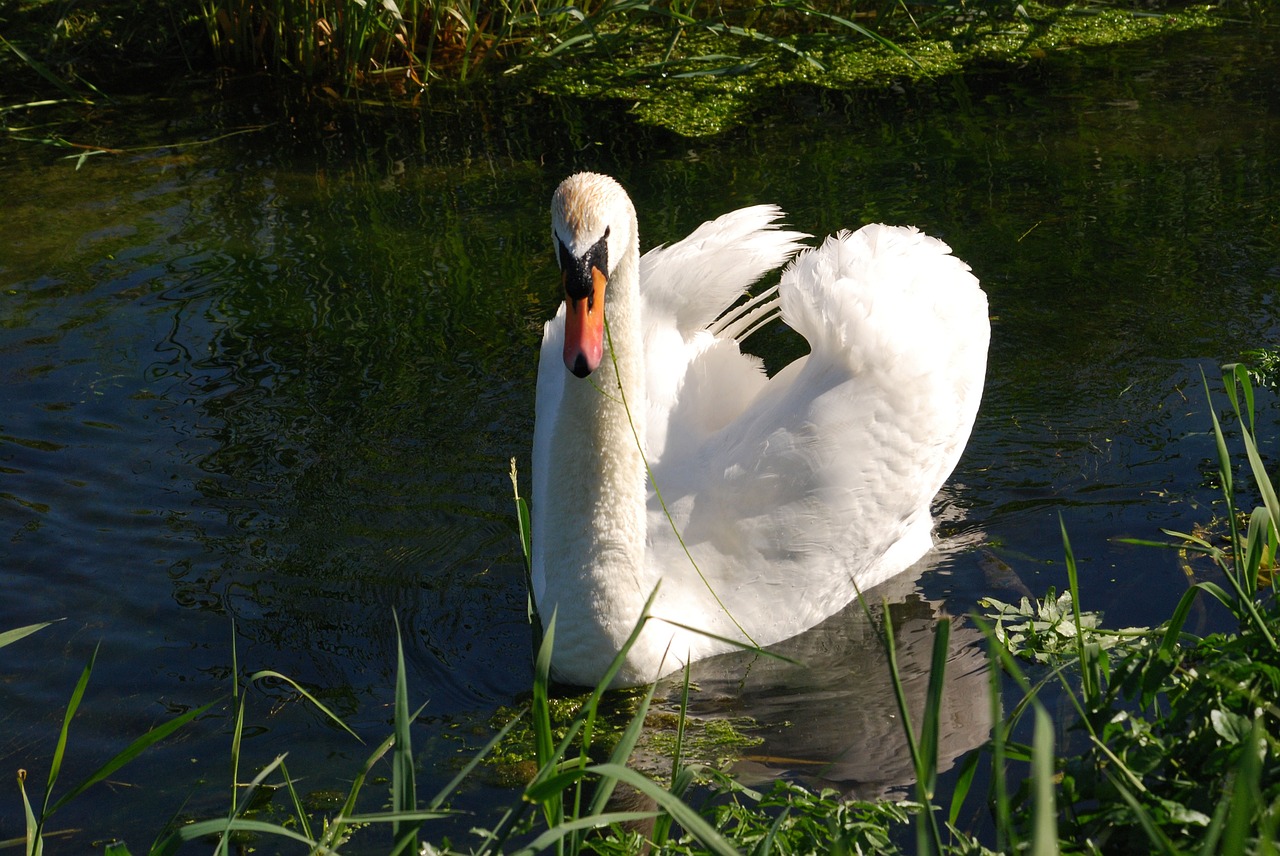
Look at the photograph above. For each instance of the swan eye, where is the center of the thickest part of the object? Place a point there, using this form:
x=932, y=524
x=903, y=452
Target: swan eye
x=564, y=258
x=579, y=274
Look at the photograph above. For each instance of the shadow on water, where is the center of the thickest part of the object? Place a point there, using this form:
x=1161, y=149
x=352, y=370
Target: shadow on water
x=276, y=378
x=830, y=719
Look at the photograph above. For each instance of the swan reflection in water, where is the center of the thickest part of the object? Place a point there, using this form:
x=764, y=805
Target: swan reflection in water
x=830, y=719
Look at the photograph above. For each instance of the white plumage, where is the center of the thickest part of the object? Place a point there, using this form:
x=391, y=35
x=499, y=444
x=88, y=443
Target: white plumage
x=791, y=493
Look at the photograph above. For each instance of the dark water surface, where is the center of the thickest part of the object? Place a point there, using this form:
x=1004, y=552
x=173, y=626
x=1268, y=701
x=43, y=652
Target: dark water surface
x=260, y=394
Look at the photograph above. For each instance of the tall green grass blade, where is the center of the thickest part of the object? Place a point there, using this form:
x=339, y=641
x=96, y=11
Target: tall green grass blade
x=1246, y=792
x=133, y=750
x=221, y=828
x=298, y=688
x=404, y=795
x=55, y=766
x=338, y=826
x=237, y=737
x=1158, y=842
x=681, y=777
x=299, y=811
x=8, y=637
x=524, y=530
x=1220, y=441
x=685, y=815
x=1236, y=380
x=543, y=745
x=1173, y=632
x=1261, y=479
x=1088, y=673
x=736, y=643
x=964, y=781
x=42, y=70
x=765, y=847
x=1213, y=832
x=224, y=828
x=930, y=724
x=235, y=663
x=657, y=492
x=34, y=842
x=622, y=751
x=1227, y=483
x=1044, y=835
x=454, y=783
x=999, y=761
x=558, y=833
x=928, y=836
x=677, y=757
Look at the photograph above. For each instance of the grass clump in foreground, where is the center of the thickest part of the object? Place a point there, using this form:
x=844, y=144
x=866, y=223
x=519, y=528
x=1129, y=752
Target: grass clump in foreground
x=1172, y=744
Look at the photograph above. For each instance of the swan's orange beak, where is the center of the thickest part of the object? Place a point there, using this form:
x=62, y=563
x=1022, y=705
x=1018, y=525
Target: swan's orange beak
x=584, y=323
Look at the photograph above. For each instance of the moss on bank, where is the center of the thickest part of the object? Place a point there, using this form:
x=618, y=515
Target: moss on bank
x=723, y=81
x=694, y=77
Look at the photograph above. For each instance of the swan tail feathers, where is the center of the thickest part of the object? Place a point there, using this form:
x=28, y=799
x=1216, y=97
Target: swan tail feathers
x=885, y=298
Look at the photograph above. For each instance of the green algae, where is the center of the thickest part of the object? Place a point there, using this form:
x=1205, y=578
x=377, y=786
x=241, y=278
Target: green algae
x=724, y=80
x=710, y=741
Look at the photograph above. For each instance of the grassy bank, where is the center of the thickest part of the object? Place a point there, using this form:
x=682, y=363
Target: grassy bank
x=692, y=66
x=1173, y=746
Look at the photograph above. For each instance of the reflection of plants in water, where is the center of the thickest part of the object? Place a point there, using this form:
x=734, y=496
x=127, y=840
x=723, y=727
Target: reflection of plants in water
x=330, y=359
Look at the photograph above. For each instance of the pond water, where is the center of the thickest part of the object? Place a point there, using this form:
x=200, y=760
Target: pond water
x=262, y=378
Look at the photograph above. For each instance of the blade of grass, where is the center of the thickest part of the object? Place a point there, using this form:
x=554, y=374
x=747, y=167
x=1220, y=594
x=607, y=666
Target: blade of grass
x=34, y=842
x=930, y=725
x=1044, y=836
x=683, y=814
x=1157, y=840
x=55, y=766
x=133, y=750
x=1245, y=793
x=622, y=751
x=928, y=836
x=299, y=812
x=404, y=795
x=298, y=688
x=456, y=781
x=40, y=69
x=8, y=637
x=1088, y=674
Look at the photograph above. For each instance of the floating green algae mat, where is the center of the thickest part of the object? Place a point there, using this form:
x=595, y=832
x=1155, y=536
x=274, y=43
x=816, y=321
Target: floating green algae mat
x=718, y=80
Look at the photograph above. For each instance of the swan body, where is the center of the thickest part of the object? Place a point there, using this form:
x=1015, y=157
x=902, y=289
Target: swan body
x=790, y=494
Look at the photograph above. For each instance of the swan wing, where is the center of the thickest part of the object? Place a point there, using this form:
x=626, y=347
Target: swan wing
x=684, y=288
x=691, y=282
x=821, y=485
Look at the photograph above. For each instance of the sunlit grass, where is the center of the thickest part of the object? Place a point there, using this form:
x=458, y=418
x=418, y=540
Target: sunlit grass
x=347, y=42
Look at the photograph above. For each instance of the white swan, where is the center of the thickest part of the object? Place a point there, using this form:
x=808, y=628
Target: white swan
x=791, y=493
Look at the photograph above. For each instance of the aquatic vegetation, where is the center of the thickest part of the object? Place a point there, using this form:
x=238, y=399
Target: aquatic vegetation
x=38, y=814
x=717, y=81
x=1169, y=745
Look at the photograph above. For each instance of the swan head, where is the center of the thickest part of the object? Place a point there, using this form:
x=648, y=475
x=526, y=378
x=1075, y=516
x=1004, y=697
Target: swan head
x=592, y=226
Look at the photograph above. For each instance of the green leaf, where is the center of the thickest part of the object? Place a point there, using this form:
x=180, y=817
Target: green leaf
x=1231, y=727
x=404, y=794
x=298, y=688
x=133, y=750
x=1044, y=837
x=10, y=636
x=684, y=815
